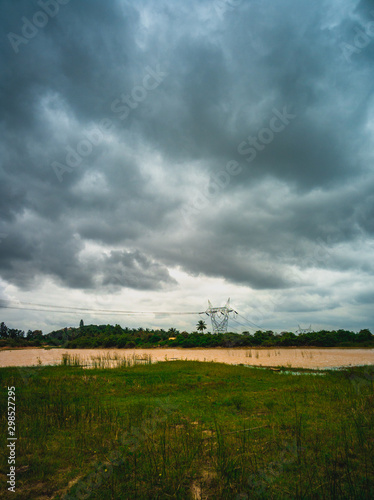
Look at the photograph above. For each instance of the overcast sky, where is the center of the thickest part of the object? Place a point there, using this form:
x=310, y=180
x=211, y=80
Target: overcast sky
x=157, y=154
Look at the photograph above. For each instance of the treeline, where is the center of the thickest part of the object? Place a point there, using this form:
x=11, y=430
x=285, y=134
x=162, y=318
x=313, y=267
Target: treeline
x=92, y=336
x=18, y=338
x=109, y=336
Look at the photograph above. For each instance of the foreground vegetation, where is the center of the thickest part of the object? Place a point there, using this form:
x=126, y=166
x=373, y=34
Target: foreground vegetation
x=92, y=336
x=190, y=430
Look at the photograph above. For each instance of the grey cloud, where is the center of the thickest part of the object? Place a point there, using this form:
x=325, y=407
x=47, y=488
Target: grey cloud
x=25, y=259
x=134, y=270
x=306, y=192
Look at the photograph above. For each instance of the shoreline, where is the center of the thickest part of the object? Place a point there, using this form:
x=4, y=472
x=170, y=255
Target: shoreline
x=48, y=348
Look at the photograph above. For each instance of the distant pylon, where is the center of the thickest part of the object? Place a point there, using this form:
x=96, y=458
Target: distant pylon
x=219, y=316
x=304, y=330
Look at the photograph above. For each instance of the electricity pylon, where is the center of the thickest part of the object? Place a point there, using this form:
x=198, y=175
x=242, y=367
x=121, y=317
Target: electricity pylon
x=219, y=316
x=304, y=330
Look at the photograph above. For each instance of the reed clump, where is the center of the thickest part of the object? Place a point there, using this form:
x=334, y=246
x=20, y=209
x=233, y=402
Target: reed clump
x=107, y=360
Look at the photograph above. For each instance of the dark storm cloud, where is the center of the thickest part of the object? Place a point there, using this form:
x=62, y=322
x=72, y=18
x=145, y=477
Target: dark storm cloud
x=134, y=270
x=42, y=250
x=255, y=237
x=221, y=70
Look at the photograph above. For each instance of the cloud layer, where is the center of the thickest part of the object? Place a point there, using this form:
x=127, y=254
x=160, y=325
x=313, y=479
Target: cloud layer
x=144, y=144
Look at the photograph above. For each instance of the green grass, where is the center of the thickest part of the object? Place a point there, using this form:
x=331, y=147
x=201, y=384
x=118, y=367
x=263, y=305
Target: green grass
x=185, y=429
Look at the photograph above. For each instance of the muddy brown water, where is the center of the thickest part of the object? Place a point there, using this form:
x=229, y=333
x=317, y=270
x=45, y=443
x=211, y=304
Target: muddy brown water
x=291, y=357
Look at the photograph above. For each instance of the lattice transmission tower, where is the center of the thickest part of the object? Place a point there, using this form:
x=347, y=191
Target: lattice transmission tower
x=219, y=316
x=304, y=330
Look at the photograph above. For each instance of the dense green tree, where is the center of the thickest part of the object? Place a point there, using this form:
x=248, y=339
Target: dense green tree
x=364, y=335
x=13, y=333
x=3, y=331
x=289, y=339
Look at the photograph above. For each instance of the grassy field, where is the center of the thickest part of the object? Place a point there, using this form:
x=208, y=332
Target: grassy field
x=189, y=430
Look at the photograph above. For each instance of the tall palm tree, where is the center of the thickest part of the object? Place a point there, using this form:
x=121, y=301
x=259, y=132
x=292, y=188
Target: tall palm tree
x=201, y=326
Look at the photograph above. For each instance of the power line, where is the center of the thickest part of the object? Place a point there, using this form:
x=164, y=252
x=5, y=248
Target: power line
x=234, y=328
x=248, y=321
x=241, y=324
x=6, y=304
x=56, y=308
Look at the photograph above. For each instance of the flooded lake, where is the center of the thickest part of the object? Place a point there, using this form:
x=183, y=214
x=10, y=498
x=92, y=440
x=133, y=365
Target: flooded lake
x=290, y=357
